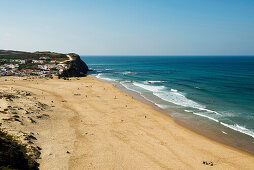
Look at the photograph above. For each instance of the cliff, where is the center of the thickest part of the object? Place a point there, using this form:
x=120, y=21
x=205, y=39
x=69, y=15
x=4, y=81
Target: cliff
x=76, y=67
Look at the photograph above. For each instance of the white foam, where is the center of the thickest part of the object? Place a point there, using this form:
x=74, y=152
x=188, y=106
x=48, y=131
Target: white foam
x=211, y=118
x=99, y=76
x=108, y=69
x=152, y=82
x=172, y=96
x=161, y=106
x=207, y=110
x=173, y=90
x=178, y=99
x=127, y=87
x=149, y=87
x=239, y=128
x=202, y=115
x=126, y=72
x=224, y=132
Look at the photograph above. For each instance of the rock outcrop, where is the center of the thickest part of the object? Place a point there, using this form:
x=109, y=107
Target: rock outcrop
x=76, y=67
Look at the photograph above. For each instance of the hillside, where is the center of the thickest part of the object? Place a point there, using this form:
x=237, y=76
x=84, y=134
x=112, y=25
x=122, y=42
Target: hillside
x=43, y=64
x=7, y=54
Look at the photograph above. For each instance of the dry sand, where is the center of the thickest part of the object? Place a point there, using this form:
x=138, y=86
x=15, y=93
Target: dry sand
x=93, y=125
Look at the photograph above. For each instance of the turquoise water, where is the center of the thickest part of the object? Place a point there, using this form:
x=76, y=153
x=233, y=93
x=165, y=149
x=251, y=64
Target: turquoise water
x=217, y=89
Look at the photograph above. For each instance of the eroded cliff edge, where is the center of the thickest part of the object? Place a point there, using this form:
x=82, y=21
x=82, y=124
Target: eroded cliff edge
x=76, y=67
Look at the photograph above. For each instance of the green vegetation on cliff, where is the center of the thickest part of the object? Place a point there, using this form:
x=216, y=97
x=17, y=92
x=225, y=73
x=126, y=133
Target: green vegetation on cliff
x=8, y=54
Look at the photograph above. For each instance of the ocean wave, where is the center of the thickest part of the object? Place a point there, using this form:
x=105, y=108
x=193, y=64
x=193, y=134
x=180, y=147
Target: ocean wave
x=161, y=106
x=207, y=110
x=239, y=128
x=150, y=82
x=202, y=115
x=149, y=87
x=126, y=72
x=127, y=87
x=172, y=96
x=178, y=99
x=99, y=76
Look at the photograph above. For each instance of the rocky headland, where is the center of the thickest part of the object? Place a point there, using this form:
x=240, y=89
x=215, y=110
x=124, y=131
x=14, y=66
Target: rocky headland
x=76, y=67
x=43, y=64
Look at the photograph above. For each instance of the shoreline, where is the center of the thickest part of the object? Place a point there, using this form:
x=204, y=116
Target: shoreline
x=240, y=142
x=94, y=125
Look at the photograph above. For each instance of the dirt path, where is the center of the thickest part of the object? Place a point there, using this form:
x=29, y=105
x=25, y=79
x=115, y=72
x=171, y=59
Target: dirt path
x=69, y=59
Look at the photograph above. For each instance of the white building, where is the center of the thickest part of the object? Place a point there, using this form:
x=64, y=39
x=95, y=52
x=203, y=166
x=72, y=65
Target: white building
x=38, y=61
x=43, y=67
x=23, y=61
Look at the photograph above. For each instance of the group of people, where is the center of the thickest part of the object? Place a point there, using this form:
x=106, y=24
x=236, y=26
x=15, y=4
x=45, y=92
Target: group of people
x=209, y=163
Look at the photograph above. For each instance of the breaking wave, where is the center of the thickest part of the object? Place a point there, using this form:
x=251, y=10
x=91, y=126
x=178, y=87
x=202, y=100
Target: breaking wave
x=239, y=128
x=100, y=76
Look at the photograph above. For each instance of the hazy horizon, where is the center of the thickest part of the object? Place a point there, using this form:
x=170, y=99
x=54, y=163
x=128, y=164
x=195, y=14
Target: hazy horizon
x=119, y=55
x=129, y=28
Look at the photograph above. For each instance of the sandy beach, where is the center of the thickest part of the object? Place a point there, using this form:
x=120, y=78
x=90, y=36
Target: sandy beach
x=85, y=123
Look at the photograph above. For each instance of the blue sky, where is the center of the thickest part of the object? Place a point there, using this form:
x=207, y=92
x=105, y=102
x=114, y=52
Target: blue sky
x=129, y=27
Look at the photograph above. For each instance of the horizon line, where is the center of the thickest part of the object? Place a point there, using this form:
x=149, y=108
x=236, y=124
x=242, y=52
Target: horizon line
x=141, y=55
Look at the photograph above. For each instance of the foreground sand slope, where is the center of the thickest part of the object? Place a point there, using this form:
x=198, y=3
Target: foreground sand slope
x=95, y=126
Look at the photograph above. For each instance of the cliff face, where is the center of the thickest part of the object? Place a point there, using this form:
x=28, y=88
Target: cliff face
x=77, y=67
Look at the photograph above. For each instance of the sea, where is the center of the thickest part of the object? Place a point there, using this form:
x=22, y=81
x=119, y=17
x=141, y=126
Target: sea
x=209, y=92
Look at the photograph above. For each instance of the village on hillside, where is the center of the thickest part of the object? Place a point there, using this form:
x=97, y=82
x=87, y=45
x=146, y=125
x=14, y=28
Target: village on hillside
x=43, y=67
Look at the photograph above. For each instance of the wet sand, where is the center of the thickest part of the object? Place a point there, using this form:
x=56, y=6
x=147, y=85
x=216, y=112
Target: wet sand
x=93, y=125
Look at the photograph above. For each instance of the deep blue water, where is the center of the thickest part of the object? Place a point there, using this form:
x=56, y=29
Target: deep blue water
x=219, y=89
